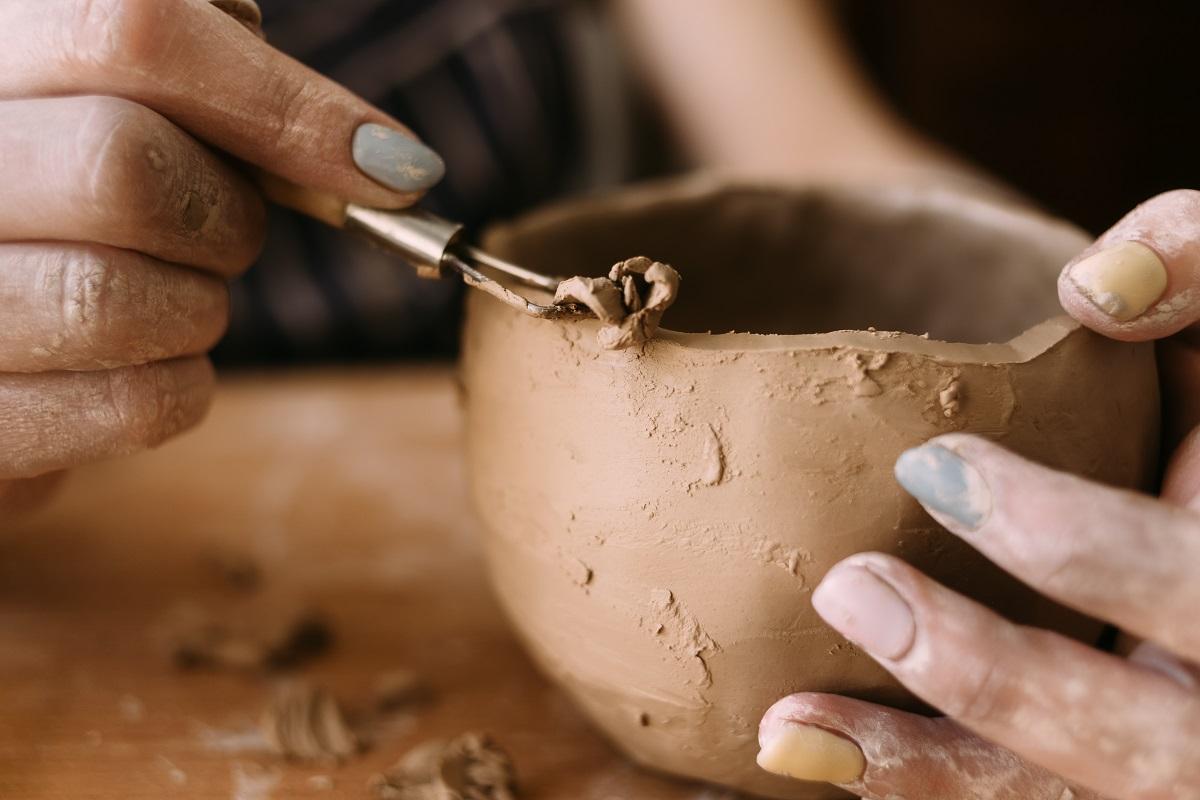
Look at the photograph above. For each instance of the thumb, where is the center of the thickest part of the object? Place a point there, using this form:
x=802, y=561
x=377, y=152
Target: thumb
x=1141, y=279
x=880, y=753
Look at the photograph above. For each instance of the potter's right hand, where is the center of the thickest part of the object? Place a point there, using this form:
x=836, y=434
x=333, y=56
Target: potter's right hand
x=120, y=219
x=1139, y=282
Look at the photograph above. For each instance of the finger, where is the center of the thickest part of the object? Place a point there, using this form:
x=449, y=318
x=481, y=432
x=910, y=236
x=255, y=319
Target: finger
x=246, y=12
x=89, y=307
x=1116, y=555
x=880, y=753
x=1141, y=279
x=54, y=420
x=1181, y=481
x=1088, y=716
x=198, y=67
x=101, y=169
x=21, y=497
x=1179, y=379
x=1148, y=654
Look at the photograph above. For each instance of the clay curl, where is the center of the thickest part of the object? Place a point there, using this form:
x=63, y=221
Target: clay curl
x=629, y=303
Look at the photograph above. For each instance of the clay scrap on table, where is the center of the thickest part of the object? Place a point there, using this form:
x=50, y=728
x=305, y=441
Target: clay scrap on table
x=629, y=303
x=400, y=689
x=259, y=638
x=468, y=767
x=304, y=723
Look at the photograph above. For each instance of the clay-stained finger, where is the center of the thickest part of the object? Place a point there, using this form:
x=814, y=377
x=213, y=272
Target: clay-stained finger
x=88, y=307
x=193, y=63
x=105, y=170
x=55, y=420
x=1113, y=554
x=1141, y=279
x=1094, y=718
x=880, y=753
x=20, y=497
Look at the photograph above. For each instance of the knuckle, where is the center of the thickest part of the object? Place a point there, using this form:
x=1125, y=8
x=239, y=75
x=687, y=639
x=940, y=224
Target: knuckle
x=975, y=692
x=88, y=286
x=148, y=404
x=1188, y=198
x=117, y=36
x=292, y=105
x=122, y=154
x=141, y=168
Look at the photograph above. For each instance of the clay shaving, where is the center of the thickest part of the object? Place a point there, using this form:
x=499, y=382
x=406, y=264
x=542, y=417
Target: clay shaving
x=629, y=303
x=400, y=688
x=305, y=723
x=268, y=640
x=469, y=767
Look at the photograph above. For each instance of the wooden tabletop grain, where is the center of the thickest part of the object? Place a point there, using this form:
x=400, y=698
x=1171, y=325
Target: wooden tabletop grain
x=345, y=490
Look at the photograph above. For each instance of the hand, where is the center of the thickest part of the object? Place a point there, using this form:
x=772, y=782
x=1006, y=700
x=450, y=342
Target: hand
x=120, y=223
x=1032, y=715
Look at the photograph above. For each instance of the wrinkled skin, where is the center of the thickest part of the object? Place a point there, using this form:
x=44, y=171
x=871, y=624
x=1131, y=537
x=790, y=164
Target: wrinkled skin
x=1031, y=715
x=122, y=215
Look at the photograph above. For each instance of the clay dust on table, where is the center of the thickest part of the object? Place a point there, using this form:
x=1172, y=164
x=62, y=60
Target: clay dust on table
x=629, y=303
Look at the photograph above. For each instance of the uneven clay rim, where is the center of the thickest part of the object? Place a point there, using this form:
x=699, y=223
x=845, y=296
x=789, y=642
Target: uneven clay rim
x=1024, y=347
x=1020, y=222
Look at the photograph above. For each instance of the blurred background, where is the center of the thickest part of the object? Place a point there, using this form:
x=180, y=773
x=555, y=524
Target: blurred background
x=1084, y=108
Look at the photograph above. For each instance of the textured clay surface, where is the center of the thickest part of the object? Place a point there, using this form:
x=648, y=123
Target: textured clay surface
x=657, y=517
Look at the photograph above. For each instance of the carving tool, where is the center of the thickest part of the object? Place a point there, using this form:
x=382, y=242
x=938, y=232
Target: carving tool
x=431, y=244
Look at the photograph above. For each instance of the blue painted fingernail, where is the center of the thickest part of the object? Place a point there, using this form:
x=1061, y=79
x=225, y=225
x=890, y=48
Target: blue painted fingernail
x=397, y=161
x=945, y=484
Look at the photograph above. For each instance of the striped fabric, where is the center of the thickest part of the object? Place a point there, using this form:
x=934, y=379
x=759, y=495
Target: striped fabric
x=521, y=97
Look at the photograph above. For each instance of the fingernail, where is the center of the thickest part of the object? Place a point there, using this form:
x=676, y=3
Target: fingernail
x=866, y=610
x=1122, y=281
x=809, y=753
x=397, y=161
x=945, y=483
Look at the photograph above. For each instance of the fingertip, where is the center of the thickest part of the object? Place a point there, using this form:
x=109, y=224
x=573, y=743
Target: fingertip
x=1139, y=281
x=395, y=159
x=1181, y=481
x=797, y=741
x=1077, y=303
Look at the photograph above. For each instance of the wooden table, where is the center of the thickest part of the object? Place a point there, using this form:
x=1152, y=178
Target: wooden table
x=346, y=489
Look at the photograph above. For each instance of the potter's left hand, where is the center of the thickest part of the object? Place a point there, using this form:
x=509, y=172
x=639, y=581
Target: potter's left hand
x=1032, y=715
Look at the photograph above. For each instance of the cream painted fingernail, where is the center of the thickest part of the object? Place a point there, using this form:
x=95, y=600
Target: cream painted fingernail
x=866, y=610
x=809, y=753
x=1123, y=280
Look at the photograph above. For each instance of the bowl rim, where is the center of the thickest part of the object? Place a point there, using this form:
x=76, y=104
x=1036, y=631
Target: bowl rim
x=997, y=212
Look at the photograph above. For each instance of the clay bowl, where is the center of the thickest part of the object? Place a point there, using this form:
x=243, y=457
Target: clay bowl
x=656, y=520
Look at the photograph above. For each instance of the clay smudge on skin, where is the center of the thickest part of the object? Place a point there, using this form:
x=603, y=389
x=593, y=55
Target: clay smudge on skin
x=629, y=303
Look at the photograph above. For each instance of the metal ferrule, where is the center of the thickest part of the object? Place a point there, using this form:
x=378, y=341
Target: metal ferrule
x=423, y=239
